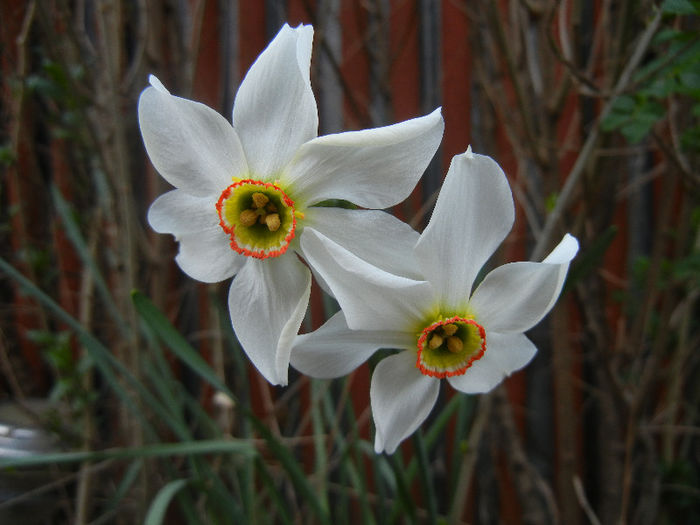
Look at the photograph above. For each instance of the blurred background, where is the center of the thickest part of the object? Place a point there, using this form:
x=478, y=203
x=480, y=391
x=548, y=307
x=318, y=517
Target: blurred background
x=125, y=397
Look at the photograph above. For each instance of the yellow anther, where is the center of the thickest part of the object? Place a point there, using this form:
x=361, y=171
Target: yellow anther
x=454, y=344
x=273, y=222
x=449, y=329
x=248, y=217
x=260, y=199
x=435, y=341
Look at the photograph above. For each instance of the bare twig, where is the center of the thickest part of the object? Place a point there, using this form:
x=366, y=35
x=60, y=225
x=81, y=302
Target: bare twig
x=581, y=495
x=587, y=150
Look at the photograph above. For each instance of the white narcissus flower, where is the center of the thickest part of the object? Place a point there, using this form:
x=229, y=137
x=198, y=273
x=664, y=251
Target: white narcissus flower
x=472, y=338
x=245, y=193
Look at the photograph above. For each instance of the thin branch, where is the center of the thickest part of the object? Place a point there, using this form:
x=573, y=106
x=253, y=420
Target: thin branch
x=587, y=150
x=583, y=501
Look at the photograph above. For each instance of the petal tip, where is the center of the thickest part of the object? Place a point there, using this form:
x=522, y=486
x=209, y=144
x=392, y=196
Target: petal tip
x=573, y=241
x=156, y=83
x=564, y=252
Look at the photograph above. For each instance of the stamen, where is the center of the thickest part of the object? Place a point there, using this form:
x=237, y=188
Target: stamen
x=435, y=341
x=454, y=344
x=273, y=222
x=248, y=217
x=260, y=199
x=449, y=329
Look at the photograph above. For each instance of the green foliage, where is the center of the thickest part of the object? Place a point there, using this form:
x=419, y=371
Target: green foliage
x=7, y=156
x=679, y=499
x=70, y=369
x=550, y=201
x=681, y=7
x=672, y=72
x=252, y=475
x=55, y=84
x=159, y=505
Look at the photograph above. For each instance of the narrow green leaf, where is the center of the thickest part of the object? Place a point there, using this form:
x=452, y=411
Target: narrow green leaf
x=155, y=319
x=104, y=360
x=160, y=504
x=436, y=430
x=165, y=331
x=188, y=448
x=317, y=388
x=294, y=470
x=220, y=501
x=280, y=506
x=130, y=476
x=76, y=238
x=405, y=506
x=352, y=461
x=424, y=475
x=434, y=433
x=170, y=400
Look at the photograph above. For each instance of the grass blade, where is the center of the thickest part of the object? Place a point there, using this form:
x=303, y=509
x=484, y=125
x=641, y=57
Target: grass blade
x=166, y=332
x=188, y=448
x=160, y=504
x=424, y=476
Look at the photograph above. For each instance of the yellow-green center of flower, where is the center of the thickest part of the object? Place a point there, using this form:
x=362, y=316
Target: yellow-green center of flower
x=448, y=347
x=259, y=218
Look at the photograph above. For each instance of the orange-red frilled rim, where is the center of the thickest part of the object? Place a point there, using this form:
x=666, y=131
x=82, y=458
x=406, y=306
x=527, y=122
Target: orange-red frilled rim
x=259, y=218
x=449, y=346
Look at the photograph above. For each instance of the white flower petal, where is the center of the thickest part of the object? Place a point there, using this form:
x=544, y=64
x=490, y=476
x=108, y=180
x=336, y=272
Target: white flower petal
x=401, y=399
x=371, y=298
x=373, y=168
x=190, y=144
x=267, y=302
x=564, y=252
x=275, y=110
x=334, y=350
x=156, y=83
x=472, y=216
x=179, y=212
x=373, y=235
x=516, y=296
x=510, y=352
x=505, y=353
x=206, y=255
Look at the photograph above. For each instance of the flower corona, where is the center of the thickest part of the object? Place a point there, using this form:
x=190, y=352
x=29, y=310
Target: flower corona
x=448, y=347
x=259, y=218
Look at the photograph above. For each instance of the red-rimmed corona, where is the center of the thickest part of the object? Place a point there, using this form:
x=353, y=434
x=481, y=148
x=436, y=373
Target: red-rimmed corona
x=259, y=217
x=448, y=347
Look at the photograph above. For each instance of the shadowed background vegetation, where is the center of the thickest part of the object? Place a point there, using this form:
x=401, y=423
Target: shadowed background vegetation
x=591, y=108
